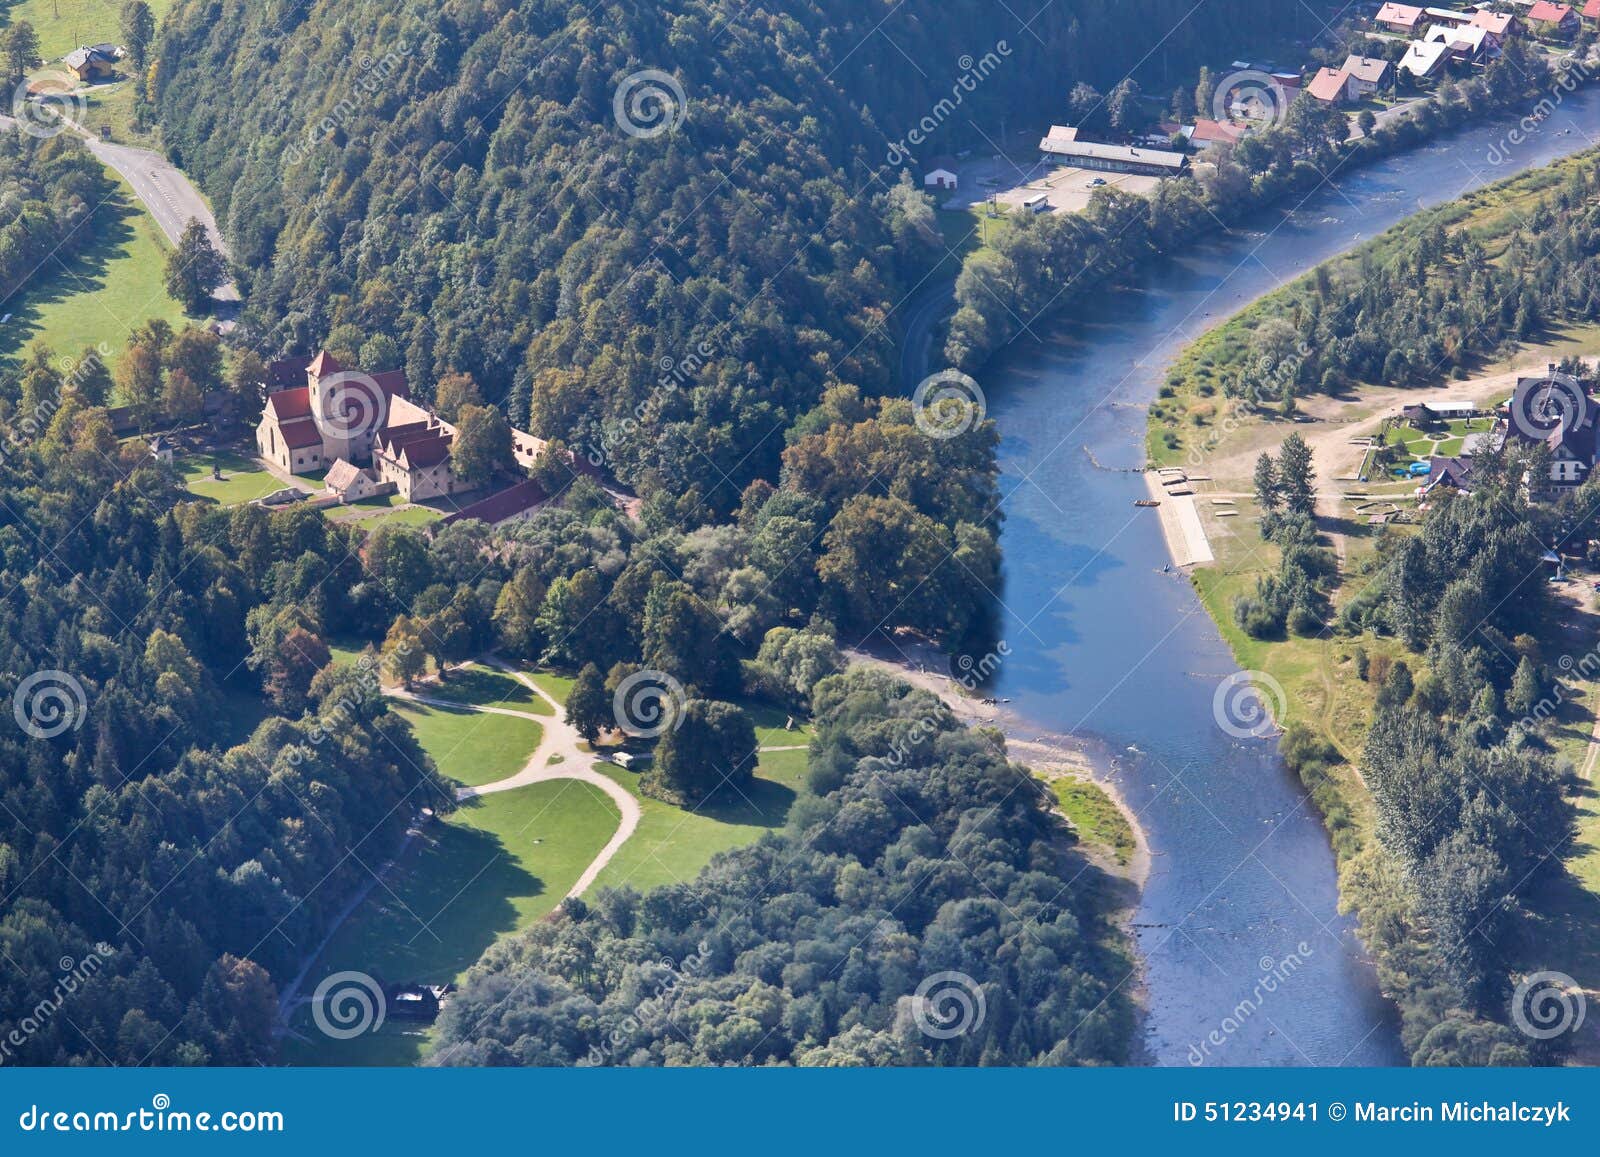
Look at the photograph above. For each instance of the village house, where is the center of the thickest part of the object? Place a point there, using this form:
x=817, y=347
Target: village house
x=1500, y=25
x=1401, y=18
x=92, y=61
x=1468, y=43
x=1591, y=13
x=1328, y=86
x=1205, y=134
x=1556, y=409
x=1424, y=59
x=1364, y=75
x=1555, y=21
x=939, y=179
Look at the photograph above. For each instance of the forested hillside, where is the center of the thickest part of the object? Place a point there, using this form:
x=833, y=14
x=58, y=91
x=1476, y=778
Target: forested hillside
x=454, y=175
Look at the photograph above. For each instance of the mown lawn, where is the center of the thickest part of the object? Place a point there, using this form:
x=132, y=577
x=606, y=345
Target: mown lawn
x=491, y=869
x=472, y=747
x=485, y=687
x=62, y=25
x=97, y=298
x=672, y=844
x=243, y=479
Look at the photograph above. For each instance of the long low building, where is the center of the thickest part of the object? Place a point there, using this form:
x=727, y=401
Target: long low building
x=1062, y=145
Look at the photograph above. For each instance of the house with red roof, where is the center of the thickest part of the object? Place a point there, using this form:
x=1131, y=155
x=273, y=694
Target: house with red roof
x=1557, y=21
x=1401, y=18
x=1591, y=13
x=1500, y=25
x=1328, y=86
x=1204, y=134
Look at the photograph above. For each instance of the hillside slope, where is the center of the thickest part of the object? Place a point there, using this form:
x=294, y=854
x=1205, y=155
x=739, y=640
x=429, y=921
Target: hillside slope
x=456, y=175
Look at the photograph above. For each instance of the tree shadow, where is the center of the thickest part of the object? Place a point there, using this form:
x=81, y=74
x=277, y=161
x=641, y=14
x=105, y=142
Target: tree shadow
x=61, y=278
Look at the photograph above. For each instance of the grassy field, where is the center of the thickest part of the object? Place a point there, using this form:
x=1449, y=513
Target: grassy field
x=472, y=747
x=671, y=844
x=243, y=479
x=493, y=868
x=62, y=25
x=100, y=296
x=485, y=687
x=1095, y=818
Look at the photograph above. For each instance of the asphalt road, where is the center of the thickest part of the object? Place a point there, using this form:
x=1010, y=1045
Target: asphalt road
x=169, y=195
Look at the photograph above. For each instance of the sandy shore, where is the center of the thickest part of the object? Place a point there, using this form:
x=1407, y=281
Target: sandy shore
x=1050, y=756
x=1187, y=543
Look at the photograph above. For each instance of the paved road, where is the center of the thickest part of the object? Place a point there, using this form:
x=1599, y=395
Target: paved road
x=927, y=307
x=169, y=195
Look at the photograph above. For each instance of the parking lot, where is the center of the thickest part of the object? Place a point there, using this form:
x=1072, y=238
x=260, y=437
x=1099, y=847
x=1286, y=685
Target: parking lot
x=1011, y=182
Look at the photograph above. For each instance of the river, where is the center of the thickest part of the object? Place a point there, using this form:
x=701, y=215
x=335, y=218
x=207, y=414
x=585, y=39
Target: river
x=1239, y=929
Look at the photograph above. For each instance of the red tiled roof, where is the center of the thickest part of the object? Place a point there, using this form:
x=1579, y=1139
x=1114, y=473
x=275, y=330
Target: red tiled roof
x=429, y=451
x=287, y=405
x=1403, y=14
x=1544, y=12
x=1205, y=130
x=1591, y=10
x=1498, y=23
x=300, y=433
x=1327, y=85
x=324, y=363
x=498, y=507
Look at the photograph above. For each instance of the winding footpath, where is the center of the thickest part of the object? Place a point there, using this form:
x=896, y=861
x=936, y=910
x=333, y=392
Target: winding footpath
x=558, y=756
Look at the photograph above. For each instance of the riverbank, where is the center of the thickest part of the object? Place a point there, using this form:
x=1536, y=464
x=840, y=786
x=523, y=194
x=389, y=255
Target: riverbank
x=1049, y=756
x=1322, y=676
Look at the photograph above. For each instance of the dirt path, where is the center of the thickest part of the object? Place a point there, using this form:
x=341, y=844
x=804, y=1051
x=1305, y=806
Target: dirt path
x=558, y=756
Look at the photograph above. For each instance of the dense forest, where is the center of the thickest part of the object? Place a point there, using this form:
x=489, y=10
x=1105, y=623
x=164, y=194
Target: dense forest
x=190, y=871
x=454, y=175
x=923, y=852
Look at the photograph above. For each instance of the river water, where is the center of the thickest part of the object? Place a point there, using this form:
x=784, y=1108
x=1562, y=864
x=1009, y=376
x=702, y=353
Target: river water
x=1241, y=905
